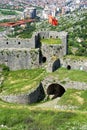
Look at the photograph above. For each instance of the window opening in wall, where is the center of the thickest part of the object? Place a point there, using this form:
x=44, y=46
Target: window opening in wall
x=44, y=59
x=56, y=36
x=68, y=67
x=19, y=43
x=50, y=36
x=43, y=37
x=6, y=42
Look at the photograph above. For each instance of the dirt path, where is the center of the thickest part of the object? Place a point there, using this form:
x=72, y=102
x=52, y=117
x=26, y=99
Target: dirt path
x=50, y=104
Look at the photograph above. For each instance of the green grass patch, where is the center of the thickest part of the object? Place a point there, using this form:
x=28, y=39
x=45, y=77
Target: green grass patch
x=74, y=75
x=8, y=12
x=22, y=118
x=76, y=98
x=77, y=58
x=22, y=81
x=51, y=41
x=2, y=29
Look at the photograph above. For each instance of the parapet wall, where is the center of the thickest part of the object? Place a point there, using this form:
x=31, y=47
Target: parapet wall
x=17, y=43
x=54, y=34
x=16, y=52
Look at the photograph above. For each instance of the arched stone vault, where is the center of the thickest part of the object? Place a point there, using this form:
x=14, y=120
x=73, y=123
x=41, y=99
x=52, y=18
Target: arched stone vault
x=56, y=90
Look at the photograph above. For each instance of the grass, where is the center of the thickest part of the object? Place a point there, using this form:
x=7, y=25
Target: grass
x=77, y=58
x=16, y=117
x=75, y=98
x=21, y=81
x=51, y=41
x=73, y=75
x=30, y=117
x=2, y=29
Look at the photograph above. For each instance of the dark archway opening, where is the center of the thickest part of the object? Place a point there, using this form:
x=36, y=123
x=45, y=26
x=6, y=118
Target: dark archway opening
x=19, y=43
x=37, y=41
x=68, y=67
x=56, y=90
x=44, y=59
x=56, y=65
x=6, y=42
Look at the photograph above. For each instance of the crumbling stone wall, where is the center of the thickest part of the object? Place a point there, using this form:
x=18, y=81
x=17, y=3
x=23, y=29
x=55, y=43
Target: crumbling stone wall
x=17, y=53
x=77, y=64
x=34, y=96
x=18, y=59
x=17, y=43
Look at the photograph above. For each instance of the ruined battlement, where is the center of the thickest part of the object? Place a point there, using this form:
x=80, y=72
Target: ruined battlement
x=17, y=53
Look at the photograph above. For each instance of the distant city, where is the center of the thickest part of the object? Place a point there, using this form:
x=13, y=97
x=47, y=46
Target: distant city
x=64, y=5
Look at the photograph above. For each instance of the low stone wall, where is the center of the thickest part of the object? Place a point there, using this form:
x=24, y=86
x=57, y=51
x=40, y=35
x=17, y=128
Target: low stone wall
x=66, y=84
x=77, y=63
x=32, y=97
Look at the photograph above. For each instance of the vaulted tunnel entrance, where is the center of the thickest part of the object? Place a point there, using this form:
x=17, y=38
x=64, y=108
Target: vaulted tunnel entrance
x=56, y=90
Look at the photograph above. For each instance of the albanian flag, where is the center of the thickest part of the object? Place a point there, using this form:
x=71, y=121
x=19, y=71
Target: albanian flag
x=53, y=20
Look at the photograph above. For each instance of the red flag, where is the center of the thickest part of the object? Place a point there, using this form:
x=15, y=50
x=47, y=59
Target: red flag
x=53, y=21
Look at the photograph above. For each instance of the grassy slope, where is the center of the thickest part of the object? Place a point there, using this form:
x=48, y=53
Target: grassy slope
x=22, y=80
x=18, y=117
x=75, y=98
x=74, y=75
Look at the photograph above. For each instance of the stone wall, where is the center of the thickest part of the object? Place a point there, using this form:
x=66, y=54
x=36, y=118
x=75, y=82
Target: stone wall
x=66, y=84
x=17, y=43
x=17, y=53
x=20, y=58
x=49, y=51
x=78, y=63
x=31, y=97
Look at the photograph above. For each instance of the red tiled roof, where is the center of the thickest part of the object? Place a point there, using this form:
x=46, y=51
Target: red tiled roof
x=20, y=22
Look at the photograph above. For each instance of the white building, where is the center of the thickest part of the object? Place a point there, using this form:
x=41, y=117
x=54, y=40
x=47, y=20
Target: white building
x=30, y=12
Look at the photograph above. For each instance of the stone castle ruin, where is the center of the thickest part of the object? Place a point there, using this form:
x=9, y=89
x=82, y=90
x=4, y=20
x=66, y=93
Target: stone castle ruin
x=19, y=54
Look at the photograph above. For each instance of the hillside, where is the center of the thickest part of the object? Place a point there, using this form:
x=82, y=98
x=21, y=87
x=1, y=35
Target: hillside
x=68, y=112
x=75, y=24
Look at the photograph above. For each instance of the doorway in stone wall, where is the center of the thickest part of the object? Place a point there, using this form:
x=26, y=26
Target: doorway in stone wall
x=56, y=65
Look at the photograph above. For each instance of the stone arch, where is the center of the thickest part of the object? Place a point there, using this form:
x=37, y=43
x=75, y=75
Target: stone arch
x=56, y=90
x=56, y=65
x=68, y=67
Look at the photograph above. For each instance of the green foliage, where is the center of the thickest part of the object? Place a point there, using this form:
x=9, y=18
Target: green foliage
x=2, y=29
x=24, y=33
x=8, y=12
x=5, y=69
